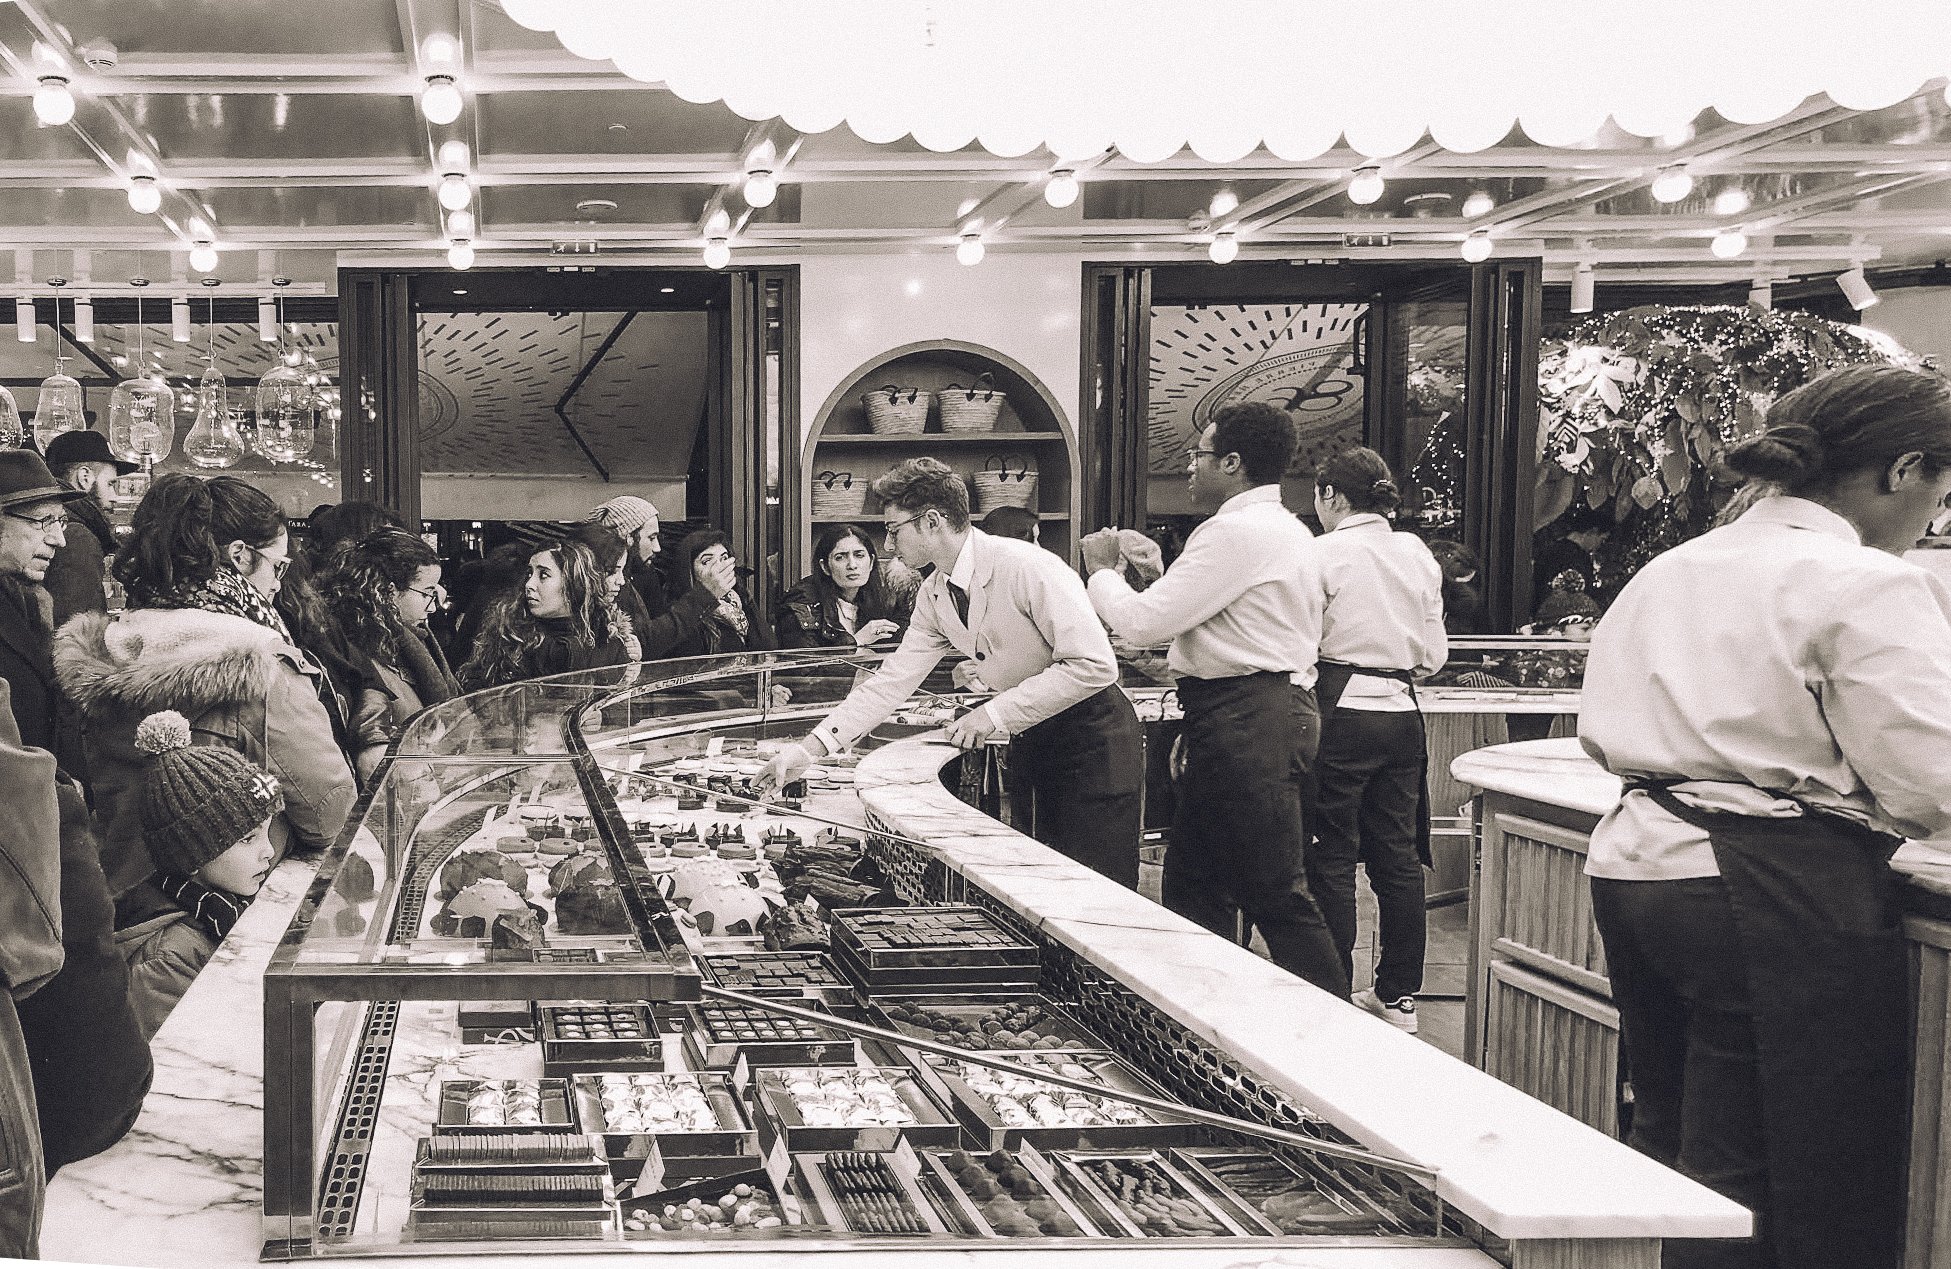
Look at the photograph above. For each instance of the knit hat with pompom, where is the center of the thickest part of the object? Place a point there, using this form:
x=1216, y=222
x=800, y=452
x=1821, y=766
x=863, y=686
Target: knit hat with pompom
x=197, y=800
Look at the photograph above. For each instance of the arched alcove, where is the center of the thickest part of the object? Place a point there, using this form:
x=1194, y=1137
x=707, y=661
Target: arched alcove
x=1031, y=426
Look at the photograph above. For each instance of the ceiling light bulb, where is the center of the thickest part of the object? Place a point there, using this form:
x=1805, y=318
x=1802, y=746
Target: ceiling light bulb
x=1857, y=289
x=203, y=257
x=54, y=103
x=1478, y=204
x=970, y=250
x=24, y=319
x=179, y=319
x=1225, y=247
x=84, y=320
x=718, y=253
x=1582, y=288
x=145, y=196
x=1728, y=244
x=1732, y=201
x=761, y=187
x=440, y=49
x=1061, y=189
x=1367, y=185
x=454, y=192
x=1672, y=185
x=460, y=224
x=1476, y=248
x=453, y=156
x=460, y=254
x=1224, y=203
x=440, y=100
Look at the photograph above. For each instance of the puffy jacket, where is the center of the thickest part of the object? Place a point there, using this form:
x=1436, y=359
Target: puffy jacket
x=30, y=956
x=165, y=954
x=237, y=682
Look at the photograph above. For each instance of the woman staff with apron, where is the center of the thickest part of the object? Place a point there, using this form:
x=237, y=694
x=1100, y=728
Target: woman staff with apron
x=1776, y=696
x=1381, y=630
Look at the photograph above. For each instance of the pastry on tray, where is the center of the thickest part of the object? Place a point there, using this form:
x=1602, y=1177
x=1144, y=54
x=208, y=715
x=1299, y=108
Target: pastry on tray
x=490, y=907
x=469, y=866
x=591, y=905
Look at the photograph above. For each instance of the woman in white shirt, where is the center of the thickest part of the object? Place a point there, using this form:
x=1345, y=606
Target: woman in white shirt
x=1776, y=695
x=1381, y=630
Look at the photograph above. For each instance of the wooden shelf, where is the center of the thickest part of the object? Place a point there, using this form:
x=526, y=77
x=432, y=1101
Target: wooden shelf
x=973, y=518
x=931, y=439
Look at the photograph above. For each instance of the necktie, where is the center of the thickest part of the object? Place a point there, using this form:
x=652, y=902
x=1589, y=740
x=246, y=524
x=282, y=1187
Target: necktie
x=961, y=598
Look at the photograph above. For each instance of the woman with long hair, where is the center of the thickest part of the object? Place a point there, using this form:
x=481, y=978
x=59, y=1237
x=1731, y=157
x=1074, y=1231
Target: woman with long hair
x=624, y=612
x=380, y=591
x=845, y=601
x=731, y=625
x=202, y=637
x=560, y=619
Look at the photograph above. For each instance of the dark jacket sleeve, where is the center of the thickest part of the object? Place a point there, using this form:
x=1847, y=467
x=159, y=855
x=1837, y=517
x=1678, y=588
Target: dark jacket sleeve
x=677, y=626
x=802, y=619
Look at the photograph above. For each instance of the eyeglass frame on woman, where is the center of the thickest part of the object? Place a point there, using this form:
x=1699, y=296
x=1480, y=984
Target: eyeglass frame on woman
x=430, y=594
x=280, y=565
x=42, y=524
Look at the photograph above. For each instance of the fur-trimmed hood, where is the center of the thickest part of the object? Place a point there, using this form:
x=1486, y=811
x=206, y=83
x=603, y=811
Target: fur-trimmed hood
x=184, y=659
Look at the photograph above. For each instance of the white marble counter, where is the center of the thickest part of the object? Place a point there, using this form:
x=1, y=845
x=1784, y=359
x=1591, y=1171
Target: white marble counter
x=1512, y=1163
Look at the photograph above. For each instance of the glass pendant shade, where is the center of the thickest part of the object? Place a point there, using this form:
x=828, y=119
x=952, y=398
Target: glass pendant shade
x=287, y=415
x=58, y=408
x=142, y=420
x=12, y=431
x=213, y=440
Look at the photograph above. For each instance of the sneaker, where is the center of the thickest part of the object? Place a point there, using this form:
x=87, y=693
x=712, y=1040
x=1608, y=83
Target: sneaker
x=1400, y=1014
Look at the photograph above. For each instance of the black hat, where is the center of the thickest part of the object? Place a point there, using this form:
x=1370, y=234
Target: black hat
x=24, y=478
x=84, y=446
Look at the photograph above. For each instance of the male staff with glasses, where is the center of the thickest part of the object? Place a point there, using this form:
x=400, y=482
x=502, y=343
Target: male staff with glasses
x=1242, y=609
x=1021, y=615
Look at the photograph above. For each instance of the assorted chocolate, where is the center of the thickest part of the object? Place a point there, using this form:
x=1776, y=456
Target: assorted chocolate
x=1017, y=1101
x=871, y=1198
x=653, y=1103
x=1012, y=1201
x=728, y=1206
x=1146, y=1193
x=795, y=973
x=502, y=1104
x=1022, y=1023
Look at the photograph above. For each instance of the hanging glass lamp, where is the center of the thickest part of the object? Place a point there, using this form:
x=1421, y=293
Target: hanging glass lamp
x=142, y=420
x=57, y=409
x=213, y=440
x=287, y=414
x=12, y=431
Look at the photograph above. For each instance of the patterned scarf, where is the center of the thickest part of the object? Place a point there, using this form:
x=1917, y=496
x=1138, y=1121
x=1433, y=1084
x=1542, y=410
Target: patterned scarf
x=731, y=612
x=227, y=592
x=215, y=910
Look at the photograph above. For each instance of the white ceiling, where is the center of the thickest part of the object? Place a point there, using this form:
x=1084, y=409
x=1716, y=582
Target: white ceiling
x=293, y=129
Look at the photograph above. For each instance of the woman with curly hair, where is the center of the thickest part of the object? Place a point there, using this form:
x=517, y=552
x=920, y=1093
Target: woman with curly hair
x=628, y=619
x=380, y=591
x=561, y=619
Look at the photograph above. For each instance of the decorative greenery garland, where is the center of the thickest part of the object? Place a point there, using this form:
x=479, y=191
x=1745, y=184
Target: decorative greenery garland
x=1636, y=409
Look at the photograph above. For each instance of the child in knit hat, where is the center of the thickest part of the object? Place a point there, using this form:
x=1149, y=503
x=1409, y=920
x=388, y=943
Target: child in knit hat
x=206, y=813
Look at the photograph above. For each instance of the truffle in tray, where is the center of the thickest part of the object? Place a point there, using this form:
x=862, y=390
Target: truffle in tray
x=740, y=1205
x=1022, y=1022
x=805, y=973
x=654, y=1102
x=1012, y=1200
x=502, y=1105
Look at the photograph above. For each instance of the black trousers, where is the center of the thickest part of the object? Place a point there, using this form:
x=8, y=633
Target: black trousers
x=1368, y=782
x=1238, y=839
x=1084, y=772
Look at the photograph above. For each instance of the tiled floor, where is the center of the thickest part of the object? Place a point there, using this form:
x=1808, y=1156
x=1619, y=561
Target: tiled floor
x=1439, y=1009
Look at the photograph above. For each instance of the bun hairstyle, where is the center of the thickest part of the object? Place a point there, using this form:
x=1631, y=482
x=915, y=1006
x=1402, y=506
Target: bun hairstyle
x=1360, y=476
x=180, y=530
x=1854, y=419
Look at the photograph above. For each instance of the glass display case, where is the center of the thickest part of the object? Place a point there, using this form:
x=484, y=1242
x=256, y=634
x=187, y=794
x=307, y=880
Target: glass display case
x=568, y=984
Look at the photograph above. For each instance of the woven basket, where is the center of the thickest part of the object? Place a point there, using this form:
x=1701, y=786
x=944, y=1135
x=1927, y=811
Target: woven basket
x=837, y=495
x=1006, y=480
x=970, y=409
x=893, y=411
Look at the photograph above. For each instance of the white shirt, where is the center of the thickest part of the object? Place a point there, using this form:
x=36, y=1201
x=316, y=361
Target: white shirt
x=1243, y=597
x=849, y=613
x=1384, y=609
x=1776, y=653
x=1031, y=632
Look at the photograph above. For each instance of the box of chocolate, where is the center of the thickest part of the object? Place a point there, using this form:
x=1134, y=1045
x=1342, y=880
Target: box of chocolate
x=820, y=1108
x=1005, y=1194
x=497, y=1022
x=976, y=1022
x=599, y=1036
x=778, y=974
x=1005, y=1109
x=913, y=938
x=498, y=1106
x=720, y=1036
x=445, y=1197
x=688, y=1115
x=870, y=1192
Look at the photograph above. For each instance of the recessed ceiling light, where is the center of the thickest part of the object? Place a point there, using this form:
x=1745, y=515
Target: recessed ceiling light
x=619, y=127
x=460, y=290
x=668, y=290
x=590, y=206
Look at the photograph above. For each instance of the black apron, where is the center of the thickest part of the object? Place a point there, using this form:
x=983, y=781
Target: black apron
x=1815, y=913
x=1330, y=681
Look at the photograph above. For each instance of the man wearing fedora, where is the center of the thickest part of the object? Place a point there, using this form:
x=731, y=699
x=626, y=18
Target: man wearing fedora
x=34, y=516
x=76, y=579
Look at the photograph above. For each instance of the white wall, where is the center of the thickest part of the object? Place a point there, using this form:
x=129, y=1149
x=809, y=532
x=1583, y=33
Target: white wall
x=854, y=308
x=1917, y=317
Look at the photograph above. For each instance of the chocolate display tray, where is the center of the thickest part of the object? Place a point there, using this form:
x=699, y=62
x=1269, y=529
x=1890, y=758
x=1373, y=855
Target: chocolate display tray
x=979, y=1116
x=777, y=974
x=708, y=1189
x=905, y=938
x=567, y=1054
x=780, y=1125
x=1330, y=1209
x=733, y=1138
x=903, y=1169
x=1054, y=1022
x=714, y=1040
x=577, y=1154
x=557, y=1113
x=1070, y=1168
x=943, y=977
x=980, y=1211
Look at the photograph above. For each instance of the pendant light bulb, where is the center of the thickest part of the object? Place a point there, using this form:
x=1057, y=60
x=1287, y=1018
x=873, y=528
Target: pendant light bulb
x=1225, y=247
x=1732, y=201
x=24, y=326
x=1672, y=185
x=1728, y=244
x=1061, y=189
x=1367, y=185
x=145, y=196
x=1478, y=204
x=761, y=187
x=54, y=101
x=440, y=100
x=13, y=432
x=454, y=192
x=718, y=253
x=1476, y=248
x=460, y=254
x=1224, y=203
x=970, y=250
x=1582, y=288
x=203, y=257
x=179, y=319
x=460, y=224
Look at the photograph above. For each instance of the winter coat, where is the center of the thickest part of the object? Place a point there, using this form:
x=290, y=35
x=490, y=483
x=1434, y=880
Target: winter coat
x=809, y=617
x=396, y=694
x=715, y=635
x=75, y=578
x=237, y=682
x=46, y=717
x=30, y=956
x=165, y=953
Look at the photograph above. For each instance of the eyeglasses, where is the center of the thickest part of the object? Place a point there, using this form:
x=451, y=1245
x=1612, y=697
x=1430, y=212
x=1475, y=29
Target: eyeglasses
x=43, y=524
x=431, y=594
x=1192, y=455
x=895, y=526
x=278, y=563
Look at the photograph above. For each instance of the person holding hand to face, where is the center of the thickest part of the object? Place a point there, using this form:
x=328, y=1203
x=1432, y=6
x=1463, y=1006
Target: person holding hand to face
x=1021, y=615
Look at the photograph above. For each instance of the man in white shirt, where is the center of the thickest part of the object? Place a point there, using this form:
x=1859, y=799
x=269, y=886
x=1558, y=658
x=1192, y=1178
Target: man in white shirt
x=1242, y=608
x=1021, y=616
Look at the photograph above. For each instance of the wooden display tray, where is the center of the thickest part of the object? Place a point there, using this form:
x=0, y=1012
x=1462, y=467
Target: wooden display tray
x=566, y=1055
x=707, y=1049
